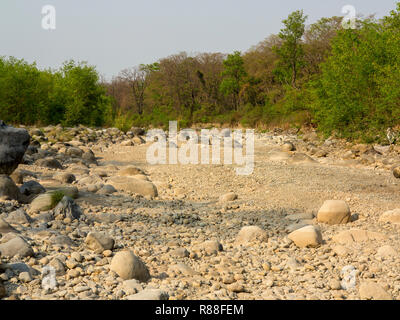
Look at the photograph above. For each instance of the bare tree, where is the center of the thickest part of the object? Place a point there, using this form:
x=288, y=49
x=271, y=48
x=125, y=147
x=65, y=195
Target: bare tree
x=138, y=79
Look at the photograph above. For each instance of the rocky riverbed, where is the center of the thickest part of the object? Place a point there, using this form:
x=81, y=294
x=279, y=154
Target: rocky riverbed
x=83, y=215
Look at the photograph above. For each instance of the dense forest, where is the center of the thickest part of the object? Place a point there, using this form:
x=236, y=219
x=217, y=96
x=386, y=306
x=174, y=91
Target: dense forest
x=343, y=81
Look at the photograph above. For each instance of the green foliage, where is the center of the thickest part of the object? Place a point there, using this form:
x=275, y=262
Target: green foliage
x=253, y=115
x=72, y=95
x=343, y=82
x=357, y=92
x=85, y=100
x=233, y=76
x=23, y=91
x=124, y=122
x=56, y=197
x=291, y=52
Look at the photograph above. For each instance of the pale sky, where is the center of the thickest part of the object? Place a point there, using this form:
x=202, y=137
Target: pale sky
x=113, y=35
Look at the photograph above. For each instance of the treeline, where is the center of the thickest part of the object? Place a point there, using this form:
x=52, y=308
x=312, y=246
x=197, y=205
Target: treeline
x=343, y=81
x=71, y=95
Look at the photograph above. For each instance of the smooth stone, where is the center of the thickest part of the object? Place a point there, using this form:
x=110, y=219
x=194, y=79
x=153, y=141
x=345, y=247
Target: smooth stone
x=128, y=266
x=308, y=236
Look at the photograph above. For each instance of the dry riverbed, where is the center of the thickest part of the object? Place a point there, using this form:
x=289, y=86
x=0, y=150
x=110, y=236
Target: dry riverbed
x=207, y=233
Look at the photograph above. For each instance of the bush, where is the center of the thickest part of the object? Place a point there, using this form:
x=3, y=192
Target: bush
x=123, y=122
x=72, y=95
x=56, y=197
x=357, y=93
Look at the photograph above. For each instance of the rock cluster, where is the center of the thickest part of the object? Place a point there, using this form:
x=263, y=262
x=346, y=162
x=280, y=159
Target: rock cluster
x=316, y=220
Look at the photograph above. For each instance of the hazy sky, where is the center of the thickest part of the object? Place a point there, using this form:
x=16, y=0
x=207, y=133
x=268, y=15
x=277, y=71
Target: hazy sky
x=117, y=34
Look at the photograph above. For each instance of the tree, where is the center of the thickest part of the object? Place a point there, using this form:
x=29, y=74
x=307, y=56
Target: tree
x=24, y=91
x=260, y=62
x=317, y=43
x=210, y=67
x=138, y=78
x=84, y=98
x=233, y=77
x=291, y=52
x=358, y=95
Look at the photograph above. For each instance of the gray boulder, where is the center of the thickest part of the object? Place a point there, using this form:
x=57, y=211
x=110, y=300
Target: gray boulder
x=13, y=144
x=396, y=172
x=5, y=227
x=32, y=187
x=68, y=209
x=50, y=163
x=99, y=242
x=8, y=188
x=15, y=246
x=19, y=216
x=89, y=157
x=107, y=189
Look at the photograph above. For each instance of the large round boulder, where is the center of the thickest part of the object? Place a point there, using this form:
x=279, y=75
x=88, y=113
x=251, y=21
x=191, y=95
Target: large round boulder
x=16, y=246
x=13, y=144
x=305, y=237
x=334, y=212
x=128, y=266
x=128, y=184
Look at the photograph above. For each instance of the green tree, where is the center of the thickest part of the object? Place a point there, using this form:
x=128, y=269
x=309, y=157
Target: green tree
x=388, y=75
x=233, y=75
x=85, y=100
x=358, y=95
x=291, y=51
x=23, y=91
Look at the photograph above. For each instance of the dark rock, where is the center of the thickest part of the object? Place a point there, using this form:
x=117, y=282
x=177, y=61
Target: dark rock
x=49, y=163
x=31, y=150
x=32, y=187
x=13, y=144
x=68, y=209
x=89, y=157
x=18, y=216
x=5, y=227
x=396, y=172
x=138, y=131
x=9, y=189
